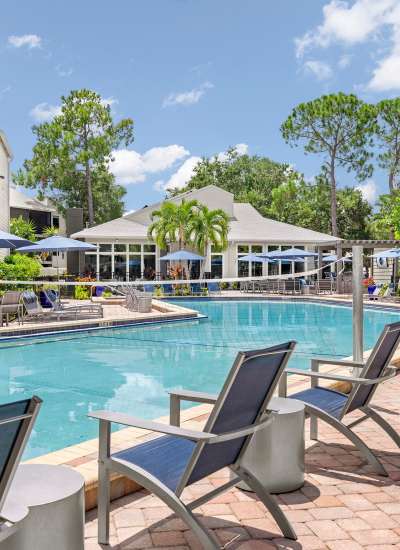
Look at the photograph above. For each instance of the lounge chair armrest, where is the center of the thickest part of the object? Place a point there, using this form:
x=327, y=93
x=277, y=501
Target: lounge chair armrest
x=195, y=396
x=341, y=378
x=246, y=430
x=127, y=420
x=339, y=362
x=176, y=396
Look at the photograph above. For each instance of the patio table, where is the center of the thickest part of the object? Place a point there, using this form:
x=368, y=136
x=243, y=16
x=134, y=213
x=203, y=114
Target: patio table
x=55, y=498
x=276, y=453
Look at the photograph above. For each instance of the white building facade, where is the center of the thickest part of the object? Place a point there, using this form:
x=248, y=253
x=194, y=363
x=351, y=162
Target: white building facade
x=125, y=252
x=5, y=176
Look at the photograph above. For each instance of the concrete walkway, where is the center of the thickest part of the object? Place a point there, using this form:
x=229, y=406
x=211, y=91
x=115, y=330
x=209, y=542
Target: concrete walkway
x=342, y=506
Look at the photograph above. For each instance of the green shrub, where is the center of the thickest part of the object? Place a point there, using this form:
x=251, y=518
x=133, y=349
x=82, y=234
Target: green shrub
x=158, y=292
x=20, y=267
x=81, y=293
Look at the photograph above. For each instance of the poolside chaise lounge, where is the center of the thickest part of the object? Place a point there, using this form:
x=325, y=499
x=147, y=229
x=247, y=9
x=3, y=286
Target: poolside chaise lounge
x=168, y=464
x=213, y=288
x=332, y=406
x=16, y=422
x=86, y=309
x=34, y=311
x=10, y=304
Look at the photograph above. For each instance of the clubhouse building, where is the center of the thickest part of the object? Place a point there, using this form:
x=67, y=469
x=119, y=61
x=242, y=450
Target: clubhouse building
x=124, y=251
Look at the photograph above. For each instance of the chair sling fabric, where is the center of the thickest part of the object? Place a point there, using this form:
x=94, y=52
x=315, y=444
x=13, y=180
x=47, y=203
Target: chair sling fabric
x=378, y=361
x=167, y=464
x=16, y=421
x=255, y=379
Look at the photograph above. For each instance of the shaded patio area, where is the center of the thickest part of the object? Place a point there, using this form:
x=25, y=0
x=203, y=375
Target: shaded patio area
x=341, y=506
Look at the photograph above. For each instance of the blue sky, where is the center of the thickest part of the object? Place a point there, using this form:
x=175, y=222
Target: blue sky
x=196, y=76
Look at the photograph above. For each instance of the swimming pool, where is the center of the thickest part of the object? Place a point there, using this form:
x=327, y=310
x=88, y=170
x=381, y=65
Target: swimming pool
x=131, y=369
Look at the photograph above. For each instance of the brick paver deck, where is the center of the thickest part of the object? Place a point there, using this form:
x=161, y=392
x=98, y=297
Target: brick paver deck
x=342, y=506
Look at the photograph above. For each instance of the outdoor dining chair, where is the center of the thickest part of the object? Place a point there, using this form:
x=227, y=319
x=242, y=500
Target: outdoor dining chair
x=332, y=406
x=16, y=423
x=168, y=464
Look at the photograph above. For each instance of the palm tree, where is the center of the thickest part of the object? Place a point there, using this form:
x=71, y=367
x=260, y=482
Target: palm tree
x=172, y=224
x=209, y=227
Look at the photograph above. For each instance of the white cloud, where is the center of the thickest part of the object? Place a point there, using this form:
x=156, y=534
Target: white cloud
x=109, y=101
x=368, y=190
x=240, y=148
x=132, y=167
x=347, y=24
x=344, y=61
x=183, y=174
x=63, y=72
x=44, y=112
x=362, y=21
x=29, y=40
x=187, y=98
x=320, y=69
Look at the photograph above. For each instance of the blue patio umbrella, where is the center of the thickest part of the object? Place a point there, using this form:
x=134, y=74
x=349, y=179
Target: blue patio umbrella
x=57, y=244
x=294, y=254
x=330, y=258
x=256, y=258
x=391, y=253
x=8, y=240
x=182, y=255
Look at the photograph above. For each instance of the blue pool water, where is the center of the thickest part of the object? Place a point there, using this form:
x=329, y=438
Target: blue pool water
x=131, y=369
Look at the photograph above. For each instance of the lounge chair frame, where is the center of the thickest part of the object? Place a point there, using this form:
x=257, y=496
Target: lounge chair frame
x=107, y=463
x=27, y=421
x=358, y=382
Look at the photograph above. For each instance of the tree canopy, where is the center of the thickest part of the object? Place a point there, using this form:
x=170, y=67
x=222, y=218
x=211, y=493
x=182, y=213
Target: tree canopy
x=388, y=133
x=72, y=155
x=249, y=178
x=340, y=127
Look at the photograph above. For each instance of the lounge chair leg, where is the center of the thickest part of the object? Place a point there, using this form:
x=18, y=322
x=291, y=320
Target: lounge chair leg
x=268, y=501
x=103, y=505
x=152, y=484
x=347, y=432
x=313, y=428
x=391, y=432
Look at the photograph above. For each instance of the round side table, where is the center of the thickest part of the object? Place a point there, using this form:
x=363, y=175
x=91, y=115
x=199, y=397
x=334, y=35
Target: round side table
x=276, y=454
x=55, y=498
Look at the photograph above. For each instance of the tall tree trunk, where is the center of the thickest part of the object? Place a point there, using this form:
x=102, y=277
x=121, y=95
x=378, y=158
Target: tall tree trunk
x=88, y=179
x=333, y=198
x=391, y=181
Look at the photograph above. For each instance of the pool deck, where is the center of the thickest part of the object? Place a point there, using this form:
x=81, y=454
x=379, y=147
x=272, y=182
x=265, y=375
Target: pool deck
x=342, y=506
x=114, y=314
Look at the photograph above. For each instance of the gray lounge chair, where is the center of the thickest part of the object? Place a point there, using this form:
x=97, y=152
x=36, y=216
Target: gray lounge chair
x=332, y=406
x=91, y=309
x=168, y=464
x=16, y=422
x=11, y=305
x=33, y=309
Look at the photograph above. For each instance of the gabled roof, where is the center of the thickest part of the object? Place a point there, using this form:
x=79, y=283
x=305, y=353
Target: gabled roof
x=119, y=228
x=249, y=226
x=24, y=202
x=246, y=225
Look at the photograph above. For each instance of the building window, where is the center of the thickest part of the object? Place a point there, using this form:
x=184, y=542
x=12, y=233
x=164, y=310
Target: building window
x=243, y=266
x=120, y=267
x=256, y=267
x=135, y=269
x=216, y=266
x=105, y=267
x=120, y=248
x=90, y=268
x=104, y=247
